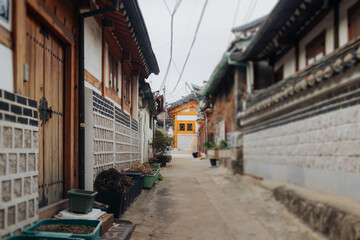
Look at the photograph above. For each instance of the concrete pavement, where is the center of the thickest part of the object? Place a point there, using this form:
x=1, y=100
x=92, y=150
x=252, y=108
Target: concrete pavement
x=198, y=202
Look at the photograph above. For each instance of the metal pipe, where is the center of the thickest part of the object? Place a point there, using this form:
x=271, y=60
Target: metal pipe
x=81, y=95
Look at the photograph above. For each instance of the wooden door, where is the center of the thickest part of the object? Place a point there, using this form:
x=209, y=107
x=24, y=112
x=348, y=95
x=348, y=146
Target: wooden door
x=45, y=58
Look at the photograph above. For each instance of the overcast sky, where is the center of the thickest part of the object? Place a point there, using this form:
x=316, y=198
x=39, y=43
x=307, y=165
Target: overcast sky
x=212, y=40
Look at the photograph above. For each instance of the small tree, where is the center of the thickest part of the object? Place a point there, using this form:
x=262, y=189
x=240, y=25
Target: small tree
x=161, y=143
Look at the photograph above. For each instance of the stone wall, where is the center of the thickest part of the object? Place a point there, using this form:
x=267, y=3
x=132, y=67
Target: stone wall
x=186, y=141
x=315, y=144
x=18, y=163
x=324, y=217
x=113, y=138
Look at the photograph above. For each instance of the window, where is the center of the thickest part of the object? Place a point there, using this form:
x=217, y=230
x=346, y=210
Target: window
x=279, y=74
x=189, y=127
x=113, y=73
x=354, y=21
x=315, y=50
x=182, y=127
x=150, y=122
x=126, y=89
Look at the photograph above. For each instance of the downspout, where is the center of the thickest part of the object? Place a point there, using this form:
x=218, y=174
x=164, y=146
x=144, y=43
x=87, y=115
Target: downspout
x=81, y=95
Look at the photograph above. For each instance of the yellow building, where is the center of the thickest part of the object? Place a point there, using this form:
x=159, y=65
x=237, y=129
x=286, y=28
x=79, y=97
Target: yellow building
x=185, y=125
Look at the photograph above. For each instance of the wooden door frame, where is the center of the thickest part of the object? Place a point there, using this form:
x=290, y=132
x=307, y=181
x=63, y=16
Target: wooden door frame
x=46, y=17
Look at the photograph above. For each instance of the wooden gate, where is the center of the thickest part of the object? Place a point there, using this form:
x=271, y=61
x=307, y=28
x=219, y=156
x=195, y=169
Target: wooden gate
x=45, y=59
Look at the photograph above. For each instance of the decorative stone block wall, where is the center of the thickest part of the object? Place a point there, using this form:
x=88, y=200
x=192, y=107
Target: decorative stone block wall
x=186, y=141
x=115, y=137
x=315, y=145
x=18, y=163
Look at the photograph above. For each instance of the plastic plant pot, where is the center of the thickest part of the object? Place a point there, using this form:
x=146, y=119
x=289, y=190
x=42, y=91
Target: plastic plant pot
x=115, y=200
x=149, y=180
x=81, y=201
x=213, y=162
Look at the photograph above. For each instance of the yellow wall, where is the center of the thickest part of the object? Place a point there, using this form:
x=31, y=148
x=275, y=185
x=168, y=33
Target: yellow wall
x=193, y=105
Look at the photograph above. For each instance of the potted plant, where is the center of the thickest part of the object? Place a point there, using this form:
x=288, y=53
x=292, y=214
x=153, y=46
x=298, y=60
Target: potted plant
x=212, y=152
x=160, y=144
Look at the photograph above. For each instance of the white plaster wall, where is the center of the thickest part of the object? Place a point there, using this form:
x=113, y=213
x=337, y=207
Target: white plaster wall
x=325, y=24
x=89, y=139
x=6, y=69
x=343, y=21
x=135, y=95
x=147, y=134
x=288, y=60
x=93, y=47
x=186, y=117
x=120, y=79
x=319, y=153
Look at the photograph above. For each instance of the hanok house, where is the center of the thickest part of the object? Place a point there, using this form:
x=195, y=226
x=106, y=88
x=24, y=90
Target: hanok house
x=301, y=117
x=42, y=130
x=184, y=112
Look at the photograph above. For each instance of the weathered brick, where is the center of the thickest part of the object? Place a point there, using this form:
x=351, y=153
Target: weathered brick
x=2, y=164
x=31, y=208
x=18, y=188
x=35, y=183
x=31, y=162
x=22, y=162
x=2, y=218
x=27, y=186
x=35, y=139
x=21, y=211
x=18, y=137
x=12, y=163
x=7, y=137
x=11, y=216
x=6, y=191
x=27, y=138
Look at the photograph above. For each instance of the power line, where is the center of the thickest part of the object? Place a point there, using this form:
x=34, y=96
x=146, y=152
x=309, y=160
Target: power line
x=172, y=38
x=235, y=17
x=250, y=12
x=192, y=44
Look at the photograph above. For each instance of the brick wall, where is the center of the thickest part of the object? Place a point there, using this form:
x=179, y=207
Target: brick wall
x=186, y=141
x=18, y=163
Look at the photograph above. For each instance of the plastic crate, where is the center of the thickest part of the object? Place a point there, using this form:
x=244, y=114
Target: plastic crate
x=81, y=201
x=95, y=235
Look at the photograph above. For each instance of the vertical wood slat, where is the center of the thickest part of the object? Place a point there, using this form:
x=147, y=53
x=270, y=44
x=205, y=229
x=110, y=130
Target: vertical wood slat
x=19, y=38
x=39, y=78
x=29, y=87
x=55, y=118
x=61, y=123
x=48, y=144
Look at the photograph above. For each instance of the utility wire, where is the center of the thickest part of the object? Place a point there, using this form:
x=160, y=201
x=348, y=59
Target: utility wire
x=192, y=44
x=250, y=12
x=172, y=39
x=235, y=17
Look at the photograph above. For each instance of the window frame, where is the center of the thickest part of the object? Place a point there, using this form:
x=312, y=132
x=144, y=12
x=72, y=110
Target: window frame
x=113, y=67
x=350, y=12
x=312, y=50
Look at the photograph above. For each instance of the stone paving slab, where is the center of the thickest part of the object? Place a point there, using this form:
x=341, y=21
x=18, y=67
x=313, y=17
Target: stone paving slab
x=198, y=202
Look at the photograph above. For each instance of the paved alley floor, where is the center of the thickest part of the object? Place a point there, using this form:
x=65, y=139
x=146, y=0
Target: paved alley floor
x=198, y=202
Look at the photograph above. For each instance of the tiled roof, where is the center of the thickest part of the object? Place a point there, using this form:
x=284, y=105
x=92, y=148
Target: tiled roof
x=181, y=101
x=340, y=60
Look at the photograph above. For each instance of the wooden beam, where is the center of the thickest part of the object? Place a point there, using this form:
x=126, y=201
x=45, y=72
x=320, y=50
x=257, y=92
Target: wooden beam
x=336, y=24
x=50, y=19
x=92, y=80
x=106, y=23
x=5, y=37
x=19, y=38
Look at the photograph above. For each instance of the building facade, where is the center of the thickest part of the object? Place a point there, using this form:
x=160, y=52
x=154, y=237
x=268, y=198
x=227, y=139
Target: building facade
x=184, y=112
x=300, y=116
x=42, y=117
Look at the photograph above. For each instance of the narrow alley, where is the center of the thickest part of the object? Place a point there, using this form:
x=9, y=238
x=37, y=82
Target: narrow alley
x=198, y=202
